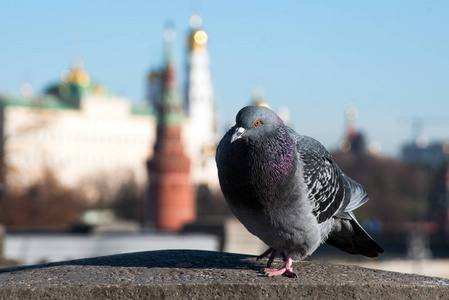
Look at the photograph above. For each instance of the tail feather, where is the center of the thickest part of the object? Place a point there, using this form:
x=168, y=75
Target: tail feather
x=358, y=195
x=352, y=238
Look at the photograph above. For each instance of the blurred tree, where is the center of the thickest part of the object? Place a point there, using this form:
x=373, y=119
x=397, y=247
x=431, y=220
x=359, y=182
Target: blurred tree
x=128, y=201
x=210, y=203
x=391, y=186
x=45, y=204
x=438, y=199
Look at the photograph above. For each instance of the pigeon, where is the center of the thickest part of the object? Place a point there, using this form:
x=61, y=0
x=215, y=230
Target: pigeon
x=286, y=189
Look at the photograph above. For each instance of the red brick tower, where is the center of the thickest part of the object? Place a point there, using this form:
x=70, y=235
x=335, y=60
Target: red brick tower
x=171, y=193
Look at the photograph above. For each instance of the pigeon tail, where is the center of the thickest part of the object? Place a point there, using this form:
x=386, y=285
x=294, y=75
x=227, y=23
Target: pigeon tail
x=358, y=195
x=353, y=239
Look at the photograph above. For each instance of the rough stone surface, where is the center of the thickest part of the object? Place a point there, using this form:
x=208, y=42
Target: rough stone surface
x=189, y=274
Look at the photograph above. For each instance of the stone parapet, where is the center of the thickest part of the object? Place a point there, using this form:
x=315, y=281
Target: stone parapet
x=190, y=274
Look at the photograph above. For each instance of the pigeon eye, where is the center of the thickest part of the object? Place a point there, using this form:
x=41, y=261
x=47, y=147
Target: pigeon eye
x=257, y=123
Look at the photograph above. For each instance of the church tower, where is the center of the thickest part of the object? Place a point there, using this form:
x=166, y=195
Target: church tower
x=171, y=196
x=354, y=141
x=201, y=107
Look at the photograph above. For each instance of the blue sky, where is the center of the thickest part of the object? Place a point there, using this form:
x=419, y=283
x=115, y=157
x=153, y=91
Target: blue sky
x=388, y=58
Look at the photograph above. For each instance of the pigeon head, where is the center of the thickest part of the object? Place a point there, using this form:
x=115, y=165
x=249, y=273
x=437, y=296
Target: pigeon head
x=255, y=122
x=256, y=158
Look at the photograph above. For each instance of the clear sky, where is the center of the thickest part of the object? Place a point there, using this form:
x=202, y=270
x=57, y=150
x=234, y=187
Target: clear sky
x=390, y=59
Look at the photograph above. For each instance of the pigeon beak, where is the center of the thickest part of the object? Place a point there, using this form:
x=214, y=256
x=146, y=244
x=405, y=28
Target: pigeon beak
x=238, y=133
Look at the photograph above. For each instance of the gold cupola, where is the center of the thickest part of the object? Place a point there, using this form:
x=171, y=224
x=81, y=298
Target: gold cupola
x=77, y=75
x=198, y=37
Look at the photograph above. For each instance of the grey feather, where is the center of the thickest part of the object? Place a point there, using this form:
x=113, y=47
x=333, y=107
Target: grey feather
x=286, y=189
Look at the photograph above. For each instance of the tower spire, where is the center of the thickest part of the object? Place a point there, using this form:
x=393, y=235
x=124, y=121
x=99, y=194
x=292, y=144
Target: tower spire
x=171, y=196
x=170, y=110
x=353, y=140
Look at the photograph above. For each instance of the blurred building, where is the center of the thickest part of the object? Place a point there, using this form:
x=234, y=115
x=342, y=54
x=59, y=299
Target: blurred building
x=77, y=131
x=200, y=106
x=171, y=200
x=434, y=155
x=354, y=140
x=431, y=162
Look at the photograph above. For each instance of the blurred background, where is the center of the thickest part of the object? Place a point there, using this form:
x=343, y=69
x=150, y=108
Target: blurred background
x=111, y=112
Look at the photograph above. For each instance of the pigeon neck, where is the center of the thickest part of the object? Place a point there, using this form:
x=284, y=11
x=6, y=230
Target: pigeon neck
x=272, y=165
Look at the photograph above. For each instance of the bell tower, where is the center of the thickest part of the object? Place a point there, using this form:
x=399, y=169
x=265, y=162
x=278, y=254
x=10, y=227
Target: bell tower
x=201, y=106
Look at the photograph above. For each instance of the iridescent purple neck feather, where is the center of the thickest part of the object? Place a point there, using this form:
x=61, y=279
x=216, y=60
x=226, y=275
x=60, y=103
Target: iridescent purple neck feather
x=272, y=163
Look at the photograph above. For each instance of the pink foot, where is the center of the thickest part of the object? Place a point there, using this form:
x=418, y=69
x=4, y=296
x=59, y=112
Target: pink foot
x=286, y=270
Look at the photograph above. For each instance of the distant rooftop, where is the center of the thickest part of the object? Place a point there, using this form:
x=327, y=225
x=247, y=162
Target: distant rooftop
x=435, y=155
x=75, y=84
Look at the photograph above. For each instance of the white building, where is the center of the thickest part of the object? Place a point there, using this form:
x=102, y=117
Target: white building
x=84, y=136
x=201, y=109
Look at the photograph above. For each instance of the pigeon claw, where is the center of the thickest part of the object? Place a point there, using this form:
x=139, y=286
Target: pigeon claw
x=292, y=275
x=277, y=272
x=286, y=270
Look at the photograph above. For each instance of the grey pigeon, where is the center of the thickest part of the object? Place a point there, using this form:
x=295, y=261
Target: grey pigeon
x=286, y=189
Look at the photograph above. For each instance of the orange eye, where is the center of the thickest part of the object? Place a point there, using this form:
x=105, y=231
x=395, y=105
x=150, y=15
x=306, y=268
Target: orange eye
x=257, y=123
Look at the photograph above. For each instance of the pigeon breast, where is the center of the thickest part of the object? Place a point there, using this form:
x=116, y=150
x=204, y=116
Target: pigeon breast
x=254, y=173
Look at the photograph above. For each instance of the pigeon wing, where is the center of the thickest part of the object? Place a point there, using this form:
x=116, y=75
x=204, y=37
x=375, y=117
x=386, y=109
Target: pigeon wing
x=328, y=188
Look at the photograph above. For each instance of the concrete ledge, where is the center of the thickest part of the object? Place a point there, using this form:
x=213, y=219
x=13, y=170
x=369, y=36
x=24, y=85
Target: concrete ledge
x=189, y=274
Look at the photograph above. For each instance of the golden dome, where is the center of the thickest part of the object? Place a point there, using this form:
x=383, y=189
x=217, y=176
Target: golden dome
x=259, y=97
x=197, y=39
x=200, y=38
x=77, y=75
x=99, y=90
x=261, y=103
